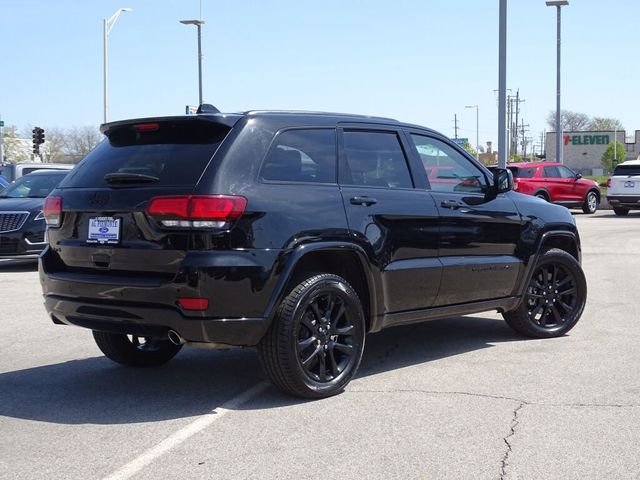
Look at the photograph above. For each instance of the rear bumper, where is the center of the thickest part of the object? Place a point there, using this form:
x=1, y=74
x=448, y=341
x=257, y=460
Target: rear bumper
x=626, y=201
x=238, y=286
x=152, y=321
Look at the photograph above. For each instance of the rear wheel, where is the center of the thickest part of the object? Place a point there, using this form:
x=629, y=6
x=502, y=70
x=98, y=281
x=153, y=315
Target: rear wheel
x=554, y=299
x=314, y=345
x=591, y=202
x=543, y=196
x=134, y=351
x=620, y=211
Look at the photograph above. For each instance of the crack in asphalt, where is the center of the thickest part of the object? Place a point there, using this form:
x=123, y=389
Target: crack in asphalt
x=504, y=463
x=512, y=427
x=497, y=397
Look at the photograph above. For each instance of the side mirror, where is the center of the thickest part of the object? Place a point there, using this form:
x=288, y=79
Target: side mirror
x=578, y=176
x=502, y=182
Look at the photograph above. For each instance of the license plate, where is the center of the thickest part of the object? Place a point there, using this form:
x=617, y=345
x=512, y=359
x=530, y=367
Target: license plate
x=104, y=230
x=629, y=184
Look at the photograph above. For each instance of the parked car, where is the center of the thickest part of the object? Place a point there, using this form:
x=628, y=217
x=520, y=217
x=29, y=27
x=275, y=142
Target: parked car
x=13, y=171
x=297, y=234
x=22, y=224
x=623, y=188
x=556, y=183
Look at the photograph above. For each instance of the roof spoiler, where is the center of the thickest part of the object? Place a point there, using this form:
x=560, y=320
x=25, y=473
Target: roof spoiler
x=207, y=108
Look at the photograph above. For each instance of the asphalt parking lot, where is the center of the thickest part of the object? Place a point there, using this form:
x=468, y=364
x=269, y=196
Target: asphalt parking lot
x=457, y=398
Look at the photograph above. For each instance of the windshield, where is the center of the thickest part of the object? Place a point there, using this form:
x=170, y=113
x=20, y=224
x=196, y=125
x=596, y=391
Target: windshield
x=33, y=186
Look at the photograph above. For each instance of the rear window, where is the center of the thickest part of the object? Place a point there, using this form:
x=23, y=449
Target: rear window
x=627, y=170
x=177, y=153
x=522, y=172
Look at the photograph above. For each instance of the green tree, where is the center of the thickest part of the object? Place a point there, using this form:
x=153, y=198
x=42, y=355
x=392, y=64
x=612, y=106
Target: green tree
x=467, y=146
x=609, y=159
x=604, y=124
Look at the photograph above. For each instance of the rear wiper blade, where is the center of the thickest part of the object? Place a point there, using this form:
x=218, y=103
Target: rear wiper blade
x=115, y=178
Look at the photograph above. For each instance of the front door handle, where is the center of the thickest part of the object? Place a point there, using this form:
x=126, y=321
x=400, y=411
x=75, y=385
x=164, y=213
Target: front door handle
x=452, y=204
x=367, y=201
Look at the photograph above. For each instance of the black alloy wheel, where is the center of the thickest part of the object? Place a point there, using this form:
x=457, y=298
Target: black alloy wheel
x=325, y=337
x=554, y=299
x=135, y=351
x=314, y=345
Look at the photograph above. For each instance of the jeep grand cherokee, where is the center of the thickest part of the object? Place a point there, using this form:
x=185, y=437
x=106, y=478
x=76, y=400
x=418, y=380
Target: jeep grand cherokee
x=298, y=234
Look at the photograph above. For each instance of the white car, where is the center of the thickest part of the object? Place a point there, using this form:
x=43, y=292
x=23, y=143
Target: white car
x=623, y=192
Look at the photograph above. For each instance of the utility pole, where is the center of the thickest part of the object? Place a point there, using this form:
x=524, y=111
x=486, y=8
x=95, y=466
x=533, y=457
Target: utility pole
x=543, y=147
x=455, y=126
x=522, y=131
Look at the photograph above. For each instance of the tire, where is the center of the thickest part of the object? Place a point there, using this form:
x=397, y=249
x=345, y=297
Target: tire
x=554, y=299
x=621, y=212
x=591, y=203
x=134, y=351
x=542, y=195
x=314, y=345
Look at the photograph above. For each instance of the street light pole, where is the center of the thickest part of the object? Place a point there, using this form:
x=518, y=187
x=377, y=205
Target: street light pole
x=502, y=85
x=198, y=24
x=477, y=129
x=558, y=4
x=107, y=25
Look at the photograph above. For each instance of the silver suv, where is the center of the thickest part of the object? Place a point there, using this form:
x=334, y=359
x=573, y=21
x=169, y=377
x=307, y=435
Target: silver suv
x=623, y=192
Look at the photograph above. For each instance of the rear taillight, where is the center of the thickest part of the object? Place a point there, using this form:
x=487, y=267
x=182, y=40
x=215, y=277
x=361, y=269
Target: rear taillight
x=609, y=183
x=196, y=211
x=53, y=211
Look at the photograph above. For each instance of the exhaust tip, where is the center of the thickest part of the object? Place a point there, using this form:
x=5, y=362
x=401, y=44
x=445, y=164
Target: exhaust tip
x=175, y=338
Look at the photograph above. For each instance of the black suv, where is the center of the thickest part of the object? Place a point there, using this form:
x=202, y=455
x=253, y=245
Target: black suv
x=298, y=234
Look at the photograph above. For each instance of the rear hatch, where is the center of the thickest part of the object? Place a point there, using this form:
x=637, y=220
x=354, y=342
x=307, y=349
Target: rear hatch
x=625, y=181
x=105, y=226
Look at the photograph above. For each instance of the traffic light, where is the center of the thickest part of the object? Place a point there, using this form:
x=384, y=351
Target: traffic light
x=38, y=139
x=36, y=145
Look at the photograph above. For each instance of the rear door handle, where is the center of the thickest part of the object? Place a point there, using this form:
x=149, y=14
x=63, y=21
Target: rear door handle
x=367, y=201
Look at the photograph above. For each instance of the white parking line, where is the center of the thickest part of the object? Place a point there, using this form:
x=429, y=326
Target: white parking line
x=175, y=439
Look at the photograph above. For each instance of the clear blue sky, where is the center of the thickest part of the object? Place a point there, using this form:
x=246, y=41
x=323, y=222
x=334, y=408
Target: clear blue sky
x=419, y=61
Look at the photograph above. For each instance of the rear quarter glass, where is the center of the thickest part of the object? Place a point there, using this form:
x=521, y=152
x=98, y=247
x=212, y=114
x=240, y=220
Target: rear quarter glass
x=176, y=153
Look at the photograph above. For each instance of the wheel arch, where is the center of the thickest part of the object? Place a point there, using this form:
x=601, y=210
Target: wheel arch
x=542, y=191
x=565, y=240
x=596, y=191
x=348, y=261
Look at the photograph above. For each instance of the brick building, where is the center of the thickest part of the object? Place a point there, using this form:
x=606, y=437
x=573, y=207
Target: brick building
x=582, y=151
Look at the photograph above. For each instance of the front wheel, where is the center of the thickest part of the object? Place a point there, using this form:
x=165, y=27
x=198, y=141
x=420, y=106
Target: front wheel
x=554, y=299
x=590, y=204
x=314, y=345
x=134, y=351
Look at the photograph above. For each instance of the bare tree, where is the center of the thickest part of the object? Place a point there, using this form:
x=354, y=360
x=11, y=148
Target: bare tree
x=52, y=150
x=14, y=151
x=604, y=124
x=79, y=141
x=570, y=121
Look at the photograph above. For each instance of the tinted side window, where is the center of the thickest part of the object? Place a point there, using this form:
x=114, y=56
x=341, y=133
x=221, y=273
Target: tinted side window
x=374, y=159
x=522, y=172
x=566, y=173
x=447, y=169
x=304, y=155
x=551, y=172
